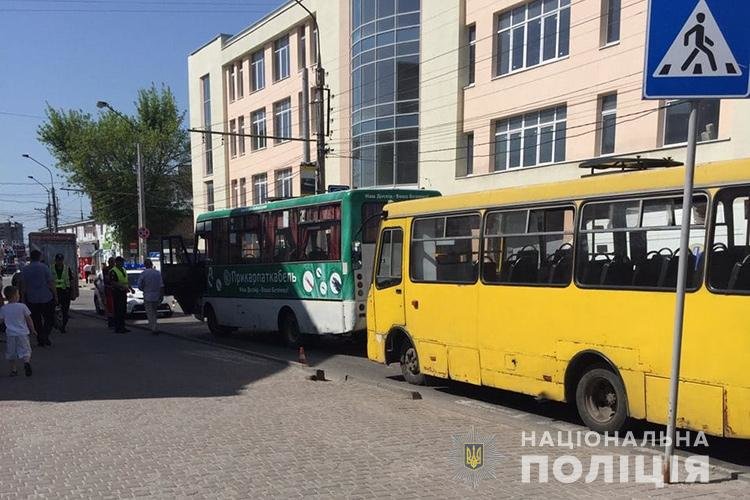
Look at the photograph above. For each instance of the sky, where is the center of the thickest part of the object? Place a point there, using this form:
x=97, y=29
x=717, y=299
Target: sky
x=72, y=53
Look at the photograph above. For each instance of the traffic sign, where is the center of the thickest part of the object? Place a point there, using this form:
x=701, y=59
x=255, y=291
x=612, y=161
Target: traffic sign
x=697, y=49
x=144, y=233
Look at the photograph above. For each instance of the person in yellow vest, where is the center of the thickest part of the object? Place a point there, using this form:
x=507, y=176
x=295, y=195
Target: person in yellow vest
x=118, y=280
x=65, y=282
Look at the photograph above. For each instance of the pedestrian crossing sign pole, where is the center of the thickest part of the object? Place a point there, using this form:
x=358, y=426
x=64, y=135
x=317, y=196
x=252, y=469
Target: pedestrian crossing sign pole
x=695, y=49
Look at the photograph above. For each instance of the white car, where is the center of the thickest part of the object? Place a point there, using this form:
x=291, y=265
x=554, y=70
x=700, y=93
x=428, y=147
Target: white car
x=135, y=300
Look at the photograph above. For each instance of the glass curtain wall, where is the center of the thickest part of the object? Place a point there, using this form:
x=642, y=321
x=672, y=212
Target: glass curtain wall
x=385, y=92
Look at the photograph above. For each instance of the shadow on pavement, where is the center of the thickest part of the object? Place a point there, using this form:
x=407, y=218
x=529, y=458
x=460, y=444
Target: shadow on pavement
x=90, y=363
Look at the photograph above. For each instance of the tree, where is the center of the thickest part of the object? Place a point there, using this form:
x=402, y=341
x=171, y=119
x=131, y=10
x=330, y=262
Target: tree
x=98, y=155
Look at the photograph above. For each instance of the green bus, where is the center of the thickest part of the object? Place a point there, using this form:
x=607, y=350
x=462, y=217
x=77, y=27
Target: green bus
x=299, y=266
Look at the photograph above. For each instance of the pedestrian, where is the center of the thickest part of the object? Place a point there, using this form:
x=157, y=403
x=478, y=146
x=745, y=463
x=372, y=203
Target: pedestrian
x=109, y=306
x=120, y=286
x=18, y=323
x=64, y=284
x=40, y=295
x=152, y=286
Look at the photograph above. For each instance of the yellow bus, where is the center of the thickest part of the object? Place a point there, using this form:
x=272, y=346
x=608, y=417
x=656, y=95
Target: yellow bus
x=565, y=291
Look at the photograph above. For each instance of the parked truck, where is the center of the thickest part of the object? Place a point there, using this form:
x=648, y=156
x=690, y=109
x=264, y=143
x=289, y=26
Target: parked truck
x=51, y=244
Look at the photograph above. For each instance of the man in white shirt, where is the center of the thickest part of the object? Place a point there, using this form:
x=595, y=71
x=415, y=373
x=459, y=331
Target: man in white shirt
x=152, y=286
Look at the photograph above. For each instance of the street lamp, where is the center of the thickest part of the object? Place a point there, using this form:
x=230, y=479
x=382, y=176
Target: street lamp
x=48, y=220
x=52, y=183
x=139, y=177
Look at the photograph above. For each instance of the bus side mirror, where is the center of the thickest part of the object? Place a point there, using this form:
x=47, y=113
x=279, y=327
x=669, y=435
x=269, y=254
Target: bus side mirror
x=356, y=255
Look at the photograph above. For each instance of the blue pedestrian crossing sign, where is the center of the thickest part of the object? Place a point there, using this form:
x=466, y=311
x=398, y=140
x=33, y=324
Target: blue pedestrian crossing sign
x=697, y=49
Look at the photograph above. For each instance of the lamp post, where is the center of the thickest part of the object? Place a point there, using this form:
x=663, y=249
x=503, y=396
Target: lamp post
x=139, y=180
x=52, y=183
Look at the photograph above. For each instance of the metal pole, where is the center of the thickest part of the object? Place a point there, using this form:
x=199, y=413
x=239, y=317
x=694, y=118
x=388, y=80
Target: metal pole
x=679, y=310
x=54, y=208
x=320, y=81
x=141, y=204
x=305, y=116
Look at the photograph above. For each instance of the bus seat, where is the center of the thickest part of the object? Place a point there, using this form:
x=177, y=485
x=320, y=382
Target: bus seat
x=526, y=268
x=593, y=270
x=562, y=266
x=618, y=271
x=740, y=277
x=670, y=277
x=489, y=272
x=720, y=267
x=650, y=270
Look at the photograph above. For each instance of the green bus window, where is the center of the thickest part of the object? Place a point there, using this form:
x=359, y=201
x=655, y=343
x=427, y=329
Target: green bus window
x=729, y=258
x=445, y=249
x=320, y=233
x=529, y=247
x=284, y=224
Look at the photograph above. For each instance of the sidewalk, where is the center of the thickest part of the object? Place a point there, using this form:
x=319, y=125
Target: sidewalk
x=134, y=415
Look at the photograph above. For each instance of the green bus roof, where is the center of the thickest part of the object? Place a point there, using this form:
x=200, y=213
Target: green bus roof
x=354, y=195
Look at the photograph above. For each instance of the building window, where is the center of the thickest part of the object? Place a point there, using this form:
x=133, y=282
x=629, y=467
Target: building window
x=301, y=47
x=259, y=129
x=314, y=45
x=231, y=82
x=243, y=192
x=281, y=58
x=608, y=123
x=241, y=136
x=232, y=138
x=282, y=120
x=532, y=139
x=209, y=196
x=531, y=34
x=240, y=81
x=284, y=183
x=610, y=21
x=472, y=43
x=385, y=58
x=676, y=121
x=207, y=138
x=260, y=189
x=470, y=153
x=235, y=193
x=257, y=70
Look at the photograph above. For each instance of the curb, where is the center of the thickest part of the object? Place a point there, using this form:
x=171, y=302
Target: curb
x=414, y=395
x=186, y=338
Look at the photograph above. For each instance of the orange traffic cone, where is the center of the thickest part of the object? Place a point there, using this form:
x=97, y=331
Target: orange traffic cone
x=302, y=357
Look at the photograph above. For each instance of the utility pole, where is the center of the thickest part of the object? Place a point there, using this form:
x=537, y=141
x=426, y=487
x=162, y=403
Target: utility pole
x=141, y=204
x=319, y=100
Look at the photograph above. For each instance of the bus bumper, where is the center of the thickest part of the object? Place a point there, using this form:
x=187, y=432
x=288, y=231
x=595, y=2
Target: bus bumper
x=375, y=347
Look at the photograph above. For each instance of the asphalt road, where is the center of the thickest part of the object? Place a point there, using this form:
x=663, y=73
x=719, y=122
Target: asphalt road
x=346, y=358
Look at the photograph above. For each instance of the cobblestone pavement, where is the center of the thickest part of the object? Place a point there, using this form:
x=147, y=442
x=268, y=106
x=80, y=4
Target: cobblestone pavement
x=111, y=416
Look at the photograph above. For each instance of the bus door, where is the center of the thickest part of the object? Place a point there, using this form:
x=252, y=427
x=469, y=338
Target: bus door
x=386, y=309
x=183, y=276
